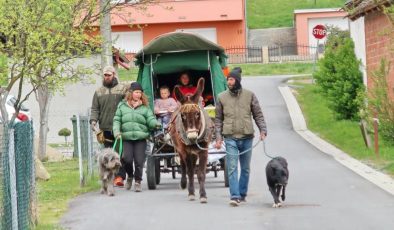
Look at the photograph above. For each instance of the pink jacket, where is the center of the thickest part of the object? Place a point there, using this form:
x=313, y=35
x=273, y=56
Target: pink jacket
x=168, y=104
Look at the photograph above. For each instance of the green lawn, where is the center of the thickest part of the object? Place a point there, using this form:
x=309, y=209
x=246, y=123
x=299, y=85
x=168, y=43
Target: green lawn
x=247, y=70
x=128, y=75
x=274, y=69
x=279, y=13
x=346, y=135
x=54, y=194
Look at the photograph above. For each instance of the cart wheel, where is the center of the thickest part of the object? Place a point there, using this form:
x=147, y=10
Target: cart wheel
x=151, y=172
x=173, y=171
x=225, y=174
x=157, y=170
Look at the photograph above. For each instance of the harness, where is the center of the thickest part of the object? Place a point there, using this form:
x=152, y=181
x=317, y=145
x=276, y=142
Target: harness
x=204, y=133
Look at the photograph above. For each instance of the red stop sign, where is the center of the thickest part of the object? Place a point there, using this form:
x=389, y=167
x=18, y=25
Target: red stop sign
x=319, y=31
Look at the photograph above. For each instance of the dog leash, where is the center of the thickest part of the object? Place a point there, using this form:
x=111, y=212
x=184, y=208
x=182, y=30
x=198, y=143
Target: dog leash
x=265, y=152
x=243, y=152
x=120, y=146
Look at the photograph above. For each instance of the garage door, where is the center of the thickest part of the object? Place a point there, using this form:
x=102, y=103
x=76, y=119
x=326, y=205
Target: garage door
x=130, y=42
x=208, y=33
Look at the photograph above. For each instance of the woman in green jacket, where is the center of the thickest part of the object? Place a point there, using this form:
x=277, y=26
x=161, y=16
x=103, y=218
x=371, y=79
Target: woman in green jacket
x=133, y=122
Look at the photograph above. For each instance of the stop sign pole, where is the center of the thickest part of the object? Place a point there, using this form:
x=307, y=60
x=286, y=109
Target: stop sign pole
x=319, y=32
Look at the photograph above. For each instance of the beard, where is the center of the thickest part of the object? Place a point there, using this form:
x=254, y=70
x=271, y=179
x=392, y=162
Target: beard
x=235, y=88
x=110, y=83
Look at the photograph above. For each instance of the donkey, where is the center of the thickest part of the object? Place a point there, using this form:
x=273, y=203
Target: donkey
x=191, y=132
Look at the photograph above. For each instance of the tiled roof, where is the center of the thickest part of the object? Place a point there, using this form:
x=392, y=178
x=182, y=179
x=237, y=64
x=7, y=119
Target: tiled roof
x=358, y=8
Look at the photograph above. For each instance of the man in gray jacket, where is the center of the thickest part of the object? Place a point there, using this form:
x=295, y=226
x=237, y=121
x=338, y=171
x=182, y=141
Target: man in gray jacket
x=104, y=104
x=234, y=111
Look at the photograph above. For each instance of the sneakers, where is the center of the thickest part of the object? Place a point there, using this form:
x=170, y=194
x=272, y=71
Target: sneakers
x=234, y=202
x=242, y=199
x=118, y=181
x=129, y=182
x=137, y=186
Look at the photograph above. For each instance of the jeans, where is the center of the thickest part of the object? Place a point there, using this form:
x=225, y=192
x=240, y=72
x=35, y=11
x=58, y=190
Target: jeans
x=164, y=120
x=238, y=187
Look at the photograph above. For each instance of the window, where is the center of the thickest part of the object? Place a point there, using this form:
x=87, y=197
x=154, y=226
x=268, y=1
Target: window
x=130, y=42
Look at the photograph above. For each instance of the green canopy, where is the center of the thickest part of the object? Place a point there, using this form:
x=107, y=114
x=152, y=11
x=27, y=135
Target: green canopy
x=178, y=41
x=176, y=52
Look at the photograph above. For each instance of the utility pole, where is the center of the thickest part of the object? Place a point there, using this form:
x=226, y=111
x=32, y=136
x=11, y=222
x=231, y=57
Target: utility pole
x=105, y=30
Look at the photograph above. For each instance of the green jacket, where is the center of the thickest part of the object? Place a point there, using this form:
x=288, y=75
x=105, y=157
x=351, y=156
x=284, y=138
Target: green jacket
x=104, y=104
x=234, y=114
x=133, y=123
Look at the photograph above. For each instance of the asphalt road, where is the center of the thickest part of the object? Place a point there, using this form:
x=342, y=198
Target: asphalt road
x=321, y=194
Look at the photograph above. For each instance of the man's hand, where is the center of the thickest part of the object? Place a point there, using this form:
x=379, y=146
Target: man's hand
x=262, y=136
x=93, y=126
x=158, y=126
x=218, y=144
x=119, y=136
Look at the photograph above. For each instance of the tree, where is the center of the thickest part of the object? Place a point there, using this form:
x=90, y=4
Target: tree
x=41, y=40
x=65, y=132
x=339, y=76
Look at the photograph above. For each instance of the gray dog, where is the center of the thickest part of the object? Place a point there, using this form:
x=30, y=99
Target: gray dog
x=109, y=164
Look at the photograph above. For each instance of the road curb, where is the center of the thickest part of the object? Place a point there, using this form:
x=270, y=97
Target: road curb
x=383, y=181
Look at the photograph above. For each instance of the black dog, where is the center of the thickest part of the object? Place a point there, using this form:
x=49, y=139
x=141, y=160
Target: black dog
x=277, y=177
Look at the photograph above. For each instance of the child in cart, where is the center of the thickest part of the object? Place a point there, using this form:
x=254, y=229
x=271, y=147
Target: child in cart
x=164, y=107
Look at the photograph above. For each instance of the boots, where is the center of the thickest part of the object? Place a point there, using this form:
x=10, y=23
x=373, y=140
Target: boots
x=137, y=186
x=129, y=182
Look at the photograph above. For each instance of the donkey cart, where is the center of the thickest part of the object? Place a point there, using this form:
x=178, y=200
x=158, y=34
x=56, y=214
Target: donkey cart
x=160, y=63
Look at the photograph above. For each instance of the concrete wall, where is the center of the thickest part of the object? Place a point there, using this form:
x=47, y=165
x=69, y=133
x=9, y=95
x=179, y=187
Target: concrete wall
x=268, y=37
x=357, y=32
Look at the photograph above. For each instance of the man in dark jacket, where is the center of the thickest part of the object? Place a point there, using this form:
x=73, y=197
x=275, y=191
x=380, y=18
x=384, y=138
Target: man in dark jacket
x=104, y=104
x=234, y=111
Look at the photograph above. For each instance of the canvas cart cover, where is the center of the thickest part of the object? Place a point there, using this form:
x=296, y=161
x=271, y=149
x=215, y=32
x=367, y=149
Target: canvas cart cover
x=176, y=52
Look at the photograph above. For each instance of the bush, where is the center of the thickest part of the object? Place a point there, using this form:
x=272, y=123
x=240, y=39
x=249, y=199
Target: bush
x=380, y=102
x=64, y=132
x=339, y=76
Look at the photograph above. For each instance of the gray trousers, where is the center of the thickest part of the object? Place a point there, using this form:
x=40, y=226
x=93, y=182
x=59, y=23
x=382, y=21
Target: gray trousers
x=133, y=158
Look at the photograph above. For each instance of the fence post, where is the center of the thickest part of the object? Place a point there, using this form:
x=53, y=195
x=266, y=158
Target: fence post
x=266, y=58
x=90, y=146
x=81, y=178
x=11, y=162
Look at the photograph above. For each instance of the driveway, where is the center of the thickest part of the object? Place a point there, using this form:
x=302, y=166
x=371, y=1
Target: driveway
x=322, y=194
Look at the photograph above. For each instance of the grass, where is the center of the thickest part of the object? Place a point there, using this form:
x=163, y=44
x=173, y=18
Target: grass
x=128, y=75
x=54, y=194
x=346, y=135
x=275, y=13
x=275, y=69
x=247, y=70
x=61, y=145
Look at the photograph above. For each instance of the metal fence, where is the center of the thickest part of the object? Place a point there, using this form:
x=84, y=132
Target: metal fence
x=238, y=55
x=17, y=176
x=291, y=53
x=85, y=147
x=273, y=54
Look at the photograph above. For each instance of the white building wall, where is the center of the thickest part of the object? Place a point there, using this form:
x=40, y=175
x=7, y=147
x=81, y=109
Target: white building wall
x=340, y=22
x=357, y=33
